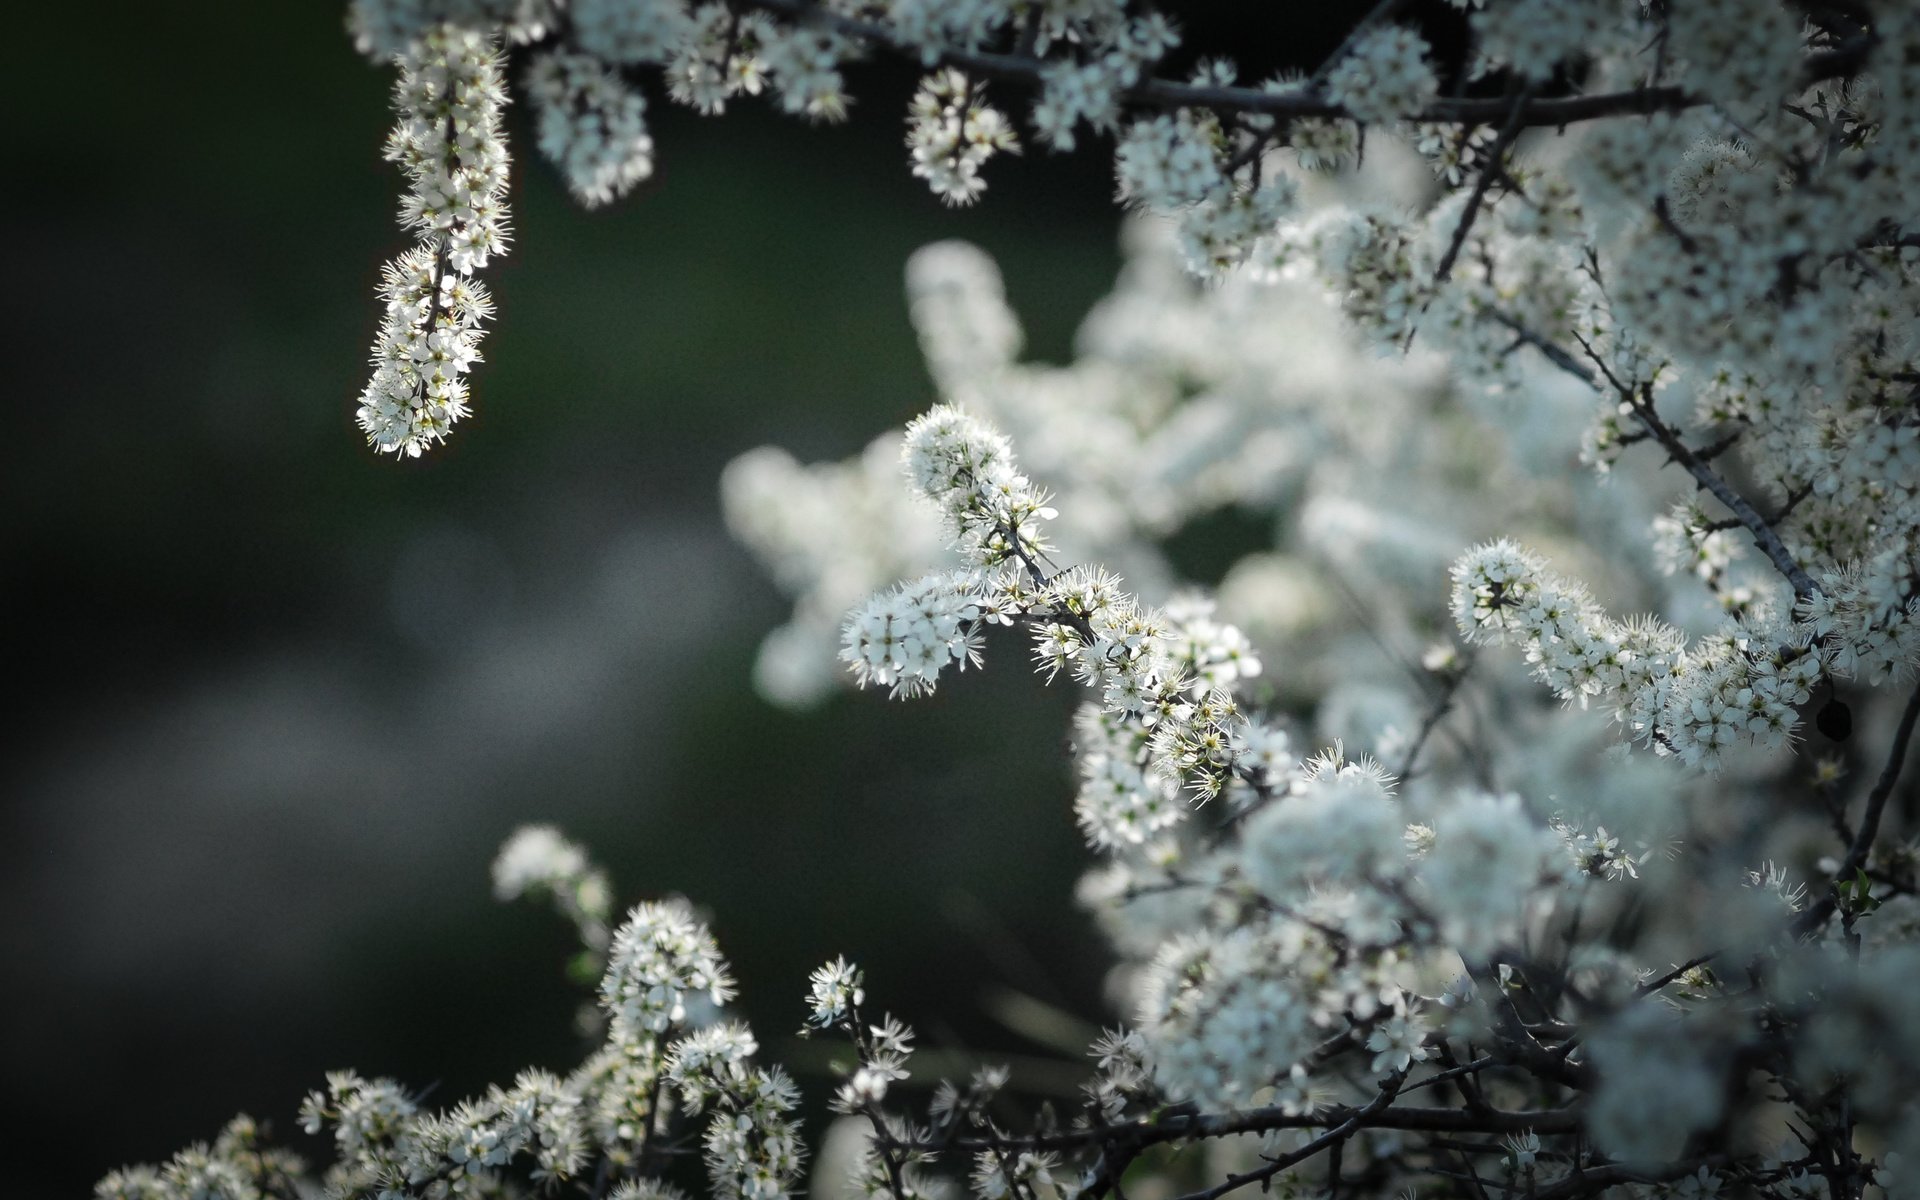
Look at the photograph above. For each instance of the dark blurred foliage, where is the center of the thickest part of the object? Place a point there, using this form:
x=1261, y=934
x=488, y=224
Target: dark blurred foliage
x=279, y=700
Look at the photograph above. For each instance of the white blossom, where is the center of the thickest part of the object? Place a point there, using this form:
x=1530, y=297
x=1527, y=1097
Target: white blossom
x=591, y=124
x=1385, y=76
x=448, y=141
x=662, y=963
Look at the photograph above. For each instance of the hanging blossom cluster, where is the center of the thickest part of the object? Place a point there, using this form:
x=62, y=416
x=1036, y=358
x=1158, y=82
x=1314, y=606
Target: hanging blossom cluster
x=1387, y=76
x=592, y=125
x=448, y=141
x=952, y=133
x=590, y=120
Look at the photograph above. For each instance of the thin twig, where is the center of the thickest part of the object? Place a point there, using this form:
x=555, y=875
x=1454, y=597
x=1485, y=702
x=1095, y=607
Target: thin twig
x=1332, y=1137
x=1764, y=534
x=1195, y=1126
x=1442, y=705
x=1816, y=916
x=1488, y=173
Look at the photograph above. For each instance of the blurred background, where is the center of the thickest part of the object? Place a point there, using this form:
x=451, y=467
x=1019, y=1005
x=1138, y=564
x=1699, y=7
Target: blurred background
x=280, y=700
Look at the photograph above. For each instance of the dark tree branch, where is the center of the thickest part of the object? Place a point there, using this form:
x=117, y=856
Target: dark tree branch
x=1442, y=705
x=1496, y=155
x=1816, y=916
x=1764, y=534
x=1197, y=1126
x=1842, y=61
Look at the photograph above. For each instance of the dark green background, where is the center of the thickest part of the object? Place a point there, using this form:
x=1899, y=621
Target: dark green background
x=277, y=700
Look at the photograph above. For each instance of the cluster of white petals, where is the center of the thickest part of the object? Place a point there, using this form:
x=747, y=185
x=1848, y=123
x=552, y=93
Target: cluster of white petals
x=952, y=132
x=966, y=467
x=592, y=124
x=1227, y=1015
x=834, y=992
x=1385, y=76
x=448, y=140
x=666, y=1058
x=539, y=860
x=662, y=965
x=903, y=639
x=1742, y=685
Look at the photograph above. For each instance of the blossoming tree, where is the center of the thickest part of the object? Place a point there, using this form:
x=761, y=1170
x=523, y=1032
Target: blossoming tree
x=1428, y=868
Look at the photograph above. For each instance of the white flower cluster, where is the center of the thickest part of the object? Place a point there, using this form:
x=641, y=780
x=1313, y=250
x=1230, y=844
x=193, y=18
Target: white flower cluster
x=752, y=1144
x=903, y=639
x=631, y=31
x=1179, y=165
x=1659, y=1084
x=1743, y=53
x=1338, y=827
x=1385, y=76
x=884, y=1050
x=1486, y=868
x=1546, y=321
x=970, y=337
x=1692, y=243
x=1685, y=540
x=836, y=995
x=607, y=1126
x=1087, y=88
x=1381, y=272
x=1139, y=662
x=753, y=1149
x=805, y=65
x=382, y=1138
x=1209, y=652
x=1172, y=412
x=1168, y=162
x=449, y=142
x=1533, y=37
x=1700, y=255
x=1870, y=614
x=1599, y=854
x=1352, y=886
x=1123, y=802
x=1230, y=226
x=952, y=132
x=592, y=124
x=663, y=963
x=1227, y=1015
x=1010, y=1176
x=776, y=507
x=386, y=28
x=539, y=860
x=1740, y=686
x=835, y=992
x=966, y=467
x=236, y=1166
x=536, y=857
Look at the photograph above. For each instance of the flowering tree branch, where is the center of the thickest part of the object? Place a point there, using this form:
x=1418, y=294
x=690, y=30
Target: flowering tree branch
x=1695, y=463
x=1534, y=112
x=1726, y=230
